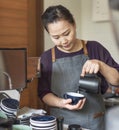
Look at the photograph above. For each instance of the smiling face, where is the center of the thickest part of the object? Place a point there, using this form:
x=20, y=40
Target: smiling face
x=63, y=35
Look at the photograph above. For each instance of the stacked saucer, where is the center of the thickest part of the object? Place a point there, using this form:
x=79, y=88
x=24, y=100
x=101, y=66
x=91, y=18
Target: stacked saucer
x=9, y=106
x=45, y=122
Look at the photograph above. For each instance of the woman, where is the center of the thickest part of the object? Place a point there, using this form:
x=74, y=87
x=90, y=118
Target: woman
x=62, y=66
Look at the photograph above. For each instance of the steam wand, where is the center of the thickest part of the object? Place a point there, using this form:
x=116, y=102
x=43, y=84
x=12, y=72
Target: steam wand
x=9, y=79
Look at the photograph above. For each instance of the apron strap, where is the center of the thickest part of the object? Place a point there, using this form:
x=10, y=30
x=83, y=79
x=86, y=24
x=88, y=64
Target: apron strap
x=53, y=54
x=84, y=49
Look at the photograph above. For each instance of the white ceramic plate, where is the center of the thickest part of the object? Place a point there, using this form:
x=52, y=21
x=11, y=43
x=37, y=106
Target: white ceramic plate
x=7, y=113
x=7, y=110
x=43, y=124
x=44, y=128
x=10, y=103
x=43, y=119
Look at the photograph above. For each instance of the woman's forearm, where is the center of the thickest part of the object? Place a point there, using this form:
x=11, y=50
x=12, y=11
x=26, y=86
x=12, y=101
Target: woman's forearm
x=110, y=74
x=52, y=100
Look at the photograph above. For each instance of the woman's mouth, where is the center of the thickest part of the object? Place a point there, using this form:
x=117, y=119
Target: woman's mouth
x=66, y=46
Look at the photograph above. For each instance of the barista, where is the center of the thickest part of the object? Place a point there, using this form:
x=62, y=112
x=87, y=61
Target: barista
x=62, y=66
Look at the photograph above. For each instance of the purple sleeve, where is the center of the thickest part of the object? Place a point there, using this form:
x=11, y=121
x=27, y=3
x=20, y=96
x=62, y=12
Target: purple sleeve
x=98, y=51
x=44, y=82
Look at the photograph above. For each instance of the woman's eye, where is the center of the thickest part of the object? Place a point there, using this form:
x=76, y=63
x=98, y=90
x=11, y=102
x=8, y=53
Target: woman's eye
x=56, y=37
x=66, y=34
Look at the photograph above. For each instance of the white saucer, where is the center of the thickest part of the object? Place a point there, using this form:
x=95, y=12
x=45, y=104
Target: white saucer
x=44, y=128
x=43, y=119
x=43, y=124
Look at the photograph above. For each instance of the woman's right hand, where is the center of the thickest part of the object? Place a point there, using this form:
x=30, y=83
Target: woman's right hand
x=62, y=103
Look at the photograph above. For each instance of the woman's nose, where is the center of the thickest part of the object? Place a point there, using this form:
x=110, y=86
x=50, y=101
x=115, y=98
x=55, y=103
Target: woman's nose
x=63, y=40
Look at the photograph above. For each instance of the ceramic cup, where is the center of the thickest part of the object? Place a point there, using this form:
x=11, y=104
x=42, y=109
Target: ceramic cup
x=74, y=96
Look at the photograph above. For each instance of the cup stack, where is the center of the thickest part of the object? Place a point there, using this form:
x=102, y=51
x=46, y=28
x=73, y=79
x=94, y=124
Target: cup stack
x=45, y=122
x=9, y=106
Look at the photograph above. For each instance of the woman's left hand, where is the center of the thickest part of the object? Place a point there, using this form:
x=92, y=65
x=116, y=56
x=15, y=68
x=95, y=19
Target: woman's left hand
x=78, y=106
x=90, y=66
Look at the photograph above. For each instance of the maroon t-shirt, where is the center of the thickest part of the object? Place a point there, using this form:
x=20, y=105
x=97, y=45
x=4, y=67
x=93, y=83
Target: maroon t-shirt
x=95, y=51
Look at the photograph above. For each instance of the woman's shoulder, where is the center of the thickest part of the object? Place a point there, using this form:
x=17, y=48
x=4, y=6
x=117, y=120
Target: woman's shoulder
x=95, y=46
x=46, y=56
x=96, y=49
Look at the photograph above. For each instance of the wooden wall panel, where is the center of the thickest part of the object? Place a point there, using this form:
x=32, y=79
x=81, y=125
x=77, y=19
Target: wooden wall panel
x=14, y=4
x=13, y=23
